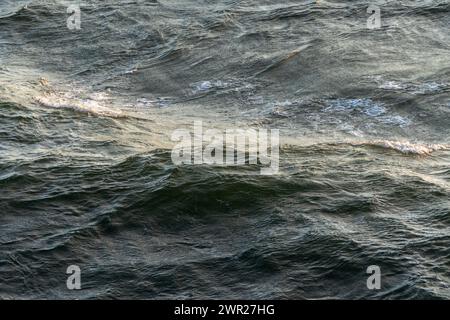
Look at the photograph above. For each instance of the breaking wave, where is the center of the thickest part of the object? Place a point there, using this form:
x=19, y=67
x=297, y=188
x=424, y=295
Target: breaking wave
x=89, y=106
x=408, y=147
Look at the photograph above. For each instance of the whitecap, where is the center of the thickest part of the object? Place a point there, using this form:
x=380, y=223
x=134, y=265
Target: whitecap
x=204, y=86
x=407, y=147
x=207, y=86
x=90, y=106
x=366, y=106
x=412, y=88
x=393, y=85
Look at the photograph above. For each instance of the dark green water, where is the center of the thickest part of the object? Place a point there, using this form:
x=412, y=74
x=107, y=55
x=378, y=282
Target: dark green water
x=87, y=179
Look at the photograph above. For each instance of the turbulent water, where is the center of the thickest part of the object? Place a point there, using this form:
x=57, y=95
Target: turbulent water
x=87, y=178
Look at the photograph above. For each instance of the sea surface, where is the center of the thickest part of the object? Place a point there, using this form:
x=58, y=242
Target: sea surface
x=87, y=179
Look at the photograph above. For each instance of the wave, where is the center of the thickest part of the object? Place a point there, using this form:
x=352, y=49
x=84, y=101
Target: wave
x=407, y=147
x=11, y=8
x=369, y=108
x=414, y=88
x=89, y=106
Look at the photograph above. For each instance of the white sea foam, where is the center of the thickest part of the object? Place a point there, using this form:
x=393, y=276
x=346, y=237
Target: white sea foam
x=412, y=88
x=212, y=85
x=393, y=85
x=366, y=106
x=89, y=105
x=407, y=147
x=369, y=108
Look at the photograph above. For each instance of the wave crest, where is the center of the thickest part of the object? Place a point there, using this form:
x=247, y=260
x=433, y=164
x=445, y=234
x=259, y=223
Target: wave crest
x=91, y=106
x=407, y=147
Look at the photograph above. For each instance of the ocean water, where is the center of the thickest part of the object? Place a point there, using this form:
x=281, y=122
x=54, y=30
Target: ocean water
x=87, y=179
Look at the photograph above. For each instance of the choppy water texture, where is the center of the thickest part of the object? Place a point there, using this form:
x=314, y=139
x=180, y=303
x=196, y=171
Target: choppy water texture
x=86, y=175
